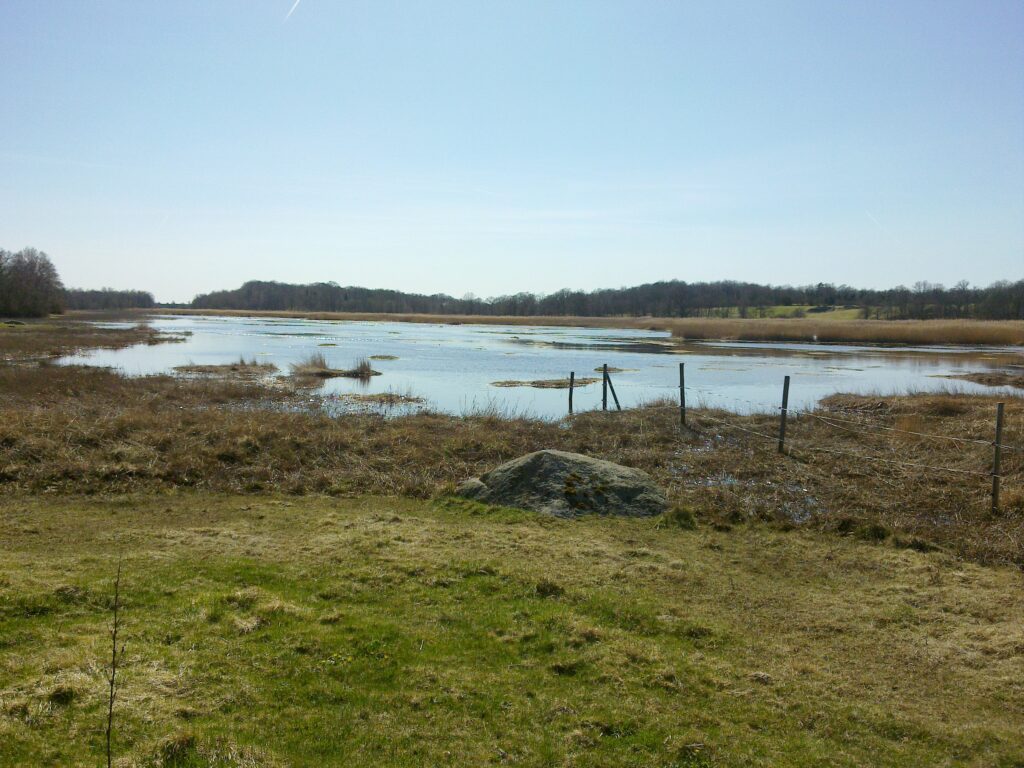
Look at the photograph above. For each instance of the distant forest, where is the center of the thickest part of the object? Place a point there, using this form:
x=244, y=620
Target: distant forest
x=1003, y=300
x=107, y=298
x=31, y=287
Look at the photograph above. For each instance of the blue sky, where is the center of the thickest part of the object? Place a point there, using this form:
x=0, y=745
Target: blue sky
x=495, y=147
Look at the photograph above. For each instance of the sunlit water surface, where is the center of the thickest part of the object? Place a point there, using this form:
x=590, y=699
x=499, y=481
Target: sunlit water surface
x=453, y=367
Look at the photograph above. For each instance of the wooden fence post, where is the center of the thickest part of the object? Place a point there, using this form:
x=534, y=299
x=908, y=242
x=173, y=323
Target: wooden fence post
x=572, y=384
x=782, y=420
x=604, y=388
x=611, y=386
x=682, y=395
x=996, y=457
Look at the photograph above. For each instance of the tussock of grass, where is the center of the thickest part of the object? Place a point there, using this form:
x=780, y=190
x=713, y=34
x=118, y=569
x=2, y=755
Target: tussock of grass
x=994, y=378
x=241, y=367
x=316, y=366
x=396, y=632
x=383, y=398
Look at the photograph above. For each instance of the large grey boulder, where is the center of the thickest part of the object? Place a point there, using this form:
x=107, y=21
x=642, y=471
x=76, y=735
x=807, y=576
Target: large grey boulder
x=566, y=485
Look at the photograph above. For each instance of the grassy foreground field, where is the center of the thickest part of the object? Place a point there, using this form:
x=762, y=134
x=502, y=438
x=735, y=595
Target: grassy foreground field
x=271, y=631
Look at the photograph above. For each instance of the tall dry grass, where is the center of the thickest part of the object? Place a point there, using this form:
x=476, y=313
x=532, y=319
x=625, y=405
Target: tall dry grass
x=78, y=430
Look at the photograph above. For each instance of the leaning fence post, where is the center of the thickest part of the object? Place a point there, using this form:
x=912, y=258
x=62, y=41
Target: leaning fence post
x=996, y=456
x=572, y=384
x=782, y=420
x=604, y=388
x=615, y=397
x=682, y=396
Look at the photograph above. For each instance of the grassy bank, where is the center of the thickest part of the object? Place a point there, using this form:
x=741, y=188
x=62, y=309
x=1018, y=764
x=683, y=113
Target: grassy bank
x=79, y=430
x=1008, y=332
x=276, y=631
x=59, y=336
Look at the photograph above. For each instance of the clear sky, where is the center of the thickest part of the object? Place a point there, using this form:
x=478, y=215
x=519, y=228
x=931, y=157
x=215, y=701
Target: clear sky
x=492, y=146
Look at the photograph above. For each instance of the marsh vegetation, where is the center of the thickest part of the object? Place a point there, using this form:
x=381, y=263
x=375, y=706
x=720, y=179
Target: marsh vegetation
x=315, y=366
x=291, y=573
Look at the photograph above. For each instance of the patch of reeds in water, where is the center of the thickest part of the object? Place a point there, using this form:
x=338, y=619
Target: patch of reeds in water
x=315, y=366
x=241, y=367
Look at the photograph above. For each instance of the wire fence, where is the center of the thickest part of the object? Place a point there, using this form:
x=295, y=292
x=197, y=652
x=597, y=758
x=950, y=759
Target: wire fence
x=860, y=427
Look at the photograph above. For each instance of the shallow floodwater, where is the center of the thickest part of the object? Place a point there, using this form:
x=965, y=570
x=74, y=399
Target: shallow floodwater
x=453, y=367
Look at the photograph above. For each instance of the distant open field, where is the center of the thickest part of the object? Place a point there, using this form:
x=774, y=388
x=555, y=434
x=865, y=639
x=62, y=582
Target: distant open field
x=1001, y=332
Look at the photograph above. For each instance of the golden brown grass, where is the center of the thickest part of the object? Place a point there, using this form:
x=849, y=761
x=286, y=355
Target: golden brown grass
x=70, y=430
x=241, y=367
x=994, y=378
x=911, y=332
x=1002, y=332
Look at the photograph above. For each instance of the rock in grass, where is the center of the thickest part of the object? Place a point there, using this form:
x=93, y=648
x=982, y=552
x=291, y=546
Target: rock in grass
x=567, y=485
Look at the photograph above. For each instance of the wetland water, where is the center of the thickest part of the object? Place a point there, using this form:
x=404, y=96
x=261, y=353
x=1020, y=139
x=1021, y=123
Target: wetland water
x=453, y=367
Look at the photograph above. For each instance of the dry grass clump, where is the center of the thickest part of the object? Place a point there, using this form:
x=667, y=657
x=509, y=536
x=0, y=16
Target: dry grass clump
x=383, y=398
x=241, y=367
x=546, y=383
x=316, y=367
x=994, y=378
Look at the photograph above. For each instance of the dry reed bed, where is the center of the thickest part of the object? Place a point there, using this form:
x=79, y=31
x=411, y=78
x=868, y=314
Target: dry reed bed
x=1002, y=332
x=77, y=430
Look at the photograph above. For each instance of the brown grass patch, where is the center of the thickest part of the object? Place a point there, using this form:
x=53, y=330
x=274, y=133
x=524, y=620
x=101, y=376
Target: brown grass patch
x=82, y=430
x=383, y=398
x=994, y=378
x=316, y=367
x=546, y=383
x=57, y=337
x=241, y=367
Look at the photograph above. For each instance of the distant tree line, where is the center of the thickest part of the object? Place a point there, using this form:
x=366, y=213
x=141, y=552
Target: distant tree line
x=31, y=287
x=107, y=298
x=29, y=284
x=1003, y=300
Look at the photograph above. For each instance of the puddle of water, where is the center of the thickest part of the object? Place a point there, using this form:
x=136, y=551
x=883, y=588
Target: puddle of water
x=453, y=366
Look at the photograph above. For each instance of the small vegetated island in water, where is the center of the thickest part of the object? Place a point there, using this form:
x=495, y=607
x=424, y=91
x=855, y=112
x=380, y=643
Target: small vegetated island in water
x=546, y=383
x=316, y=367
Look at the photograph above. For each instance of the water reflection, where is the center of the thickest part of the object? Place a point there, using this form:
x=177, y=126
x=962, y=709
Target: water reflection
x=452, y=367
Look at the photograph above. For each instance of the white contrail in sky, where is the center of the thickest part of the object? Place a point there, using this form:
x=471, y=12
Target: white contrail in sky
x=292, y=10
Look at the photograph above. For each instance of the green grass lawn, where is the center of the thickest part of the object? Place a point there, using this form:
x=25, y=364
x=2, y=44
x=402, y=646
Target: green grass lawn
x=272, y=631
